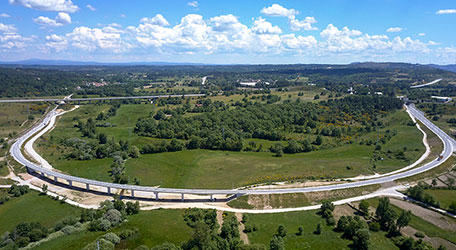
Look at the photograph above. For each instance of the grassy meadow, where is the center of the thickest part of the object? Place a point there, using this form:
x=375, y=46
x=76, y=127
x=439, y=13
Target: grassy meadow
x=222, y=169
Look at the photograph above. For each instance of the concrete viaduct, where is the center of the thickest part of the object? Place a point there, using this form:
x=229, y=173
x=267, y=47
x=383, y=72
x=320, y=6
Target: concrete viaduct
x=107, y=187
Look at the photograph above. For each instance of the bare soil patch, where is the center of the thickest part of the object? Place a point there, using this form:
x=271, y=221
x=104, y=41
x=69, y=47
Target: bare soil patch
x=434, y=241
x=243, y=235
x=428, y=215
x=343, y=210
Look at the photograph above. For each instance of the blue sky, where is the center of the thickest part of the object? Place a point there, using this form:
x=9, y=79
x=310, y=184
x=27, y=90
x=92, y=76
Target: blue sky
x=248, y=31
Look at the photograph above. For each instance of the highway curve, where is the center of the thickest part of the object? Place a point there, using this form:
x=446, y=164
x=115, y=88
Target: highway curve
x=448, y=142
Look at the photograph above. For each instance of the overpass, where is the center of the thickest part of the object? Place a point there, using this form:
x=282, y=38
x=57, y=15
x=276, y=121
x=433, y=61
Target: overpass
x=69, y=99
x=69, y=181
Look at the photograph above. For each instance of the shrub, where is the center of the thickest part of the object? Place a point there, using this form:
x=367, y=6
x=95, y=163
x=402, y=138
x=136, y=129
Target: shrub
x=127, y=233
x=88, y=215
x=248, y=228
x=23, y=241
x=165, y=246
x=69, y=229
x=105, y=224
x=142, y=247
x=330, y=221
x=245, y=218
x=68, y=221
x=17, y=191
x=374, y=226
x=419, y=234
x=132, y=208
x=4, y=199
x=99, y=225
x=112, y=237
x=318, y=230
x=113, y=216
x=100, y=244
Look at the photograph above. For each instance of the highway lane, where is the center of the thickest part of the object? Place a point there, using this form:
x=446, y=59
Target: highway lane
x=425, y=84
x=69, y=99
x=449, y=147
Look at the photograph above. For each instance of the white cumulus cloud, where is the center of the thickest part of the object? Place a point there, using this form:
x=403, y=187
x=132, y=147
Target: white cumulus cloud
x=48, y=5
x=7, y=28
x=90, y=7
x=277, y=10
x=394, y=29
x=227, y=34
x=305, y=24
x=422, y=34
x=261, y=26
x=56, y=42
x=10, y=39
x=447, y=11
x=61, y=19
x=90, y=39
x=193, y=4
x=4, y=15
x=156, y=20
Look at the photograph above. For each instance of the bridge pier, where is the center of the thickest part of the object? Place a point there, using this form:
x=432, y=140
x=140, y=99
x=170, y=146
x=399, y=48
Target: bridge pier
x=55, y=179
x=70, y=183
x=132, y=193
x=109, y=190
x=87, y=186
x=156, y=196
x=182, y=197
x=212, y=197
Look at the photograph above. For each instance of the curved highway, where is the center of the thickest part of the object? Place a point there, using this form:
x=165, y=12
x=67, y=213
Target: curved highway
x=16, y=152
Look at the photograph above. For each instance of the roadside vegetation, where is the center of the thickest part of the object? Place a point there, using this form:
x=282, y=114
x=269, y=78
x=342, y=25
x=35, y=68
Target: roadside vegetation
x=298, y=199
x=104, y=136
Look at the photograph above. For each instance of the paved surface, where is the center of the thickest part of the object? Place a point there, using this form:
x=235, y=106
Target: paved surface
x=448, y=142
x=425, y=84
x=69, y=99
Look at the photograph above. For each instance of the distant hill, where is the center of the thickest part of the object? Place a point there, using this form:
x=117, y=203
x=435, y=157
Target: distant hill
x=449, y=67
x=34, y=61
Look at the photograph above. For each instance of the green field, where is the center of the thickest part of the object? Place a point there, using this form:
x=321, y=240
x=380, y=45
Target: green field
x=159, y=226
x=33, y=207
x=155, y=227
x=444, y=197
x=268, y=223
x=220, y=169
x=14, y=117
x=422, y=225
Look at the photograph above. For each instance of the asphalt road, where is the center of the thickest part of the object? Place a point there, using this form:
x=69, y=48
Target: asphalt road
x=66, y=99
x=425, y=84
x=449, y=147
